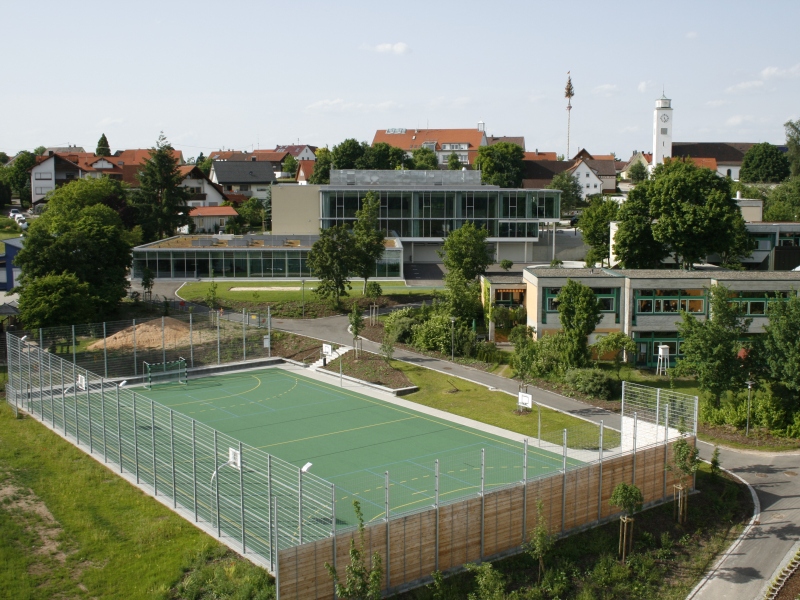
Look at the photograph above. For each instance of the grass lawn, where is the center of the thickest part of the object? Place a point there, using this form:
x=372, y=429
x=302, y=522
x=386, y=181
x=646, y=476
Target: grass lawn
x=70, y=528
x=667, y=561
x=475, y=401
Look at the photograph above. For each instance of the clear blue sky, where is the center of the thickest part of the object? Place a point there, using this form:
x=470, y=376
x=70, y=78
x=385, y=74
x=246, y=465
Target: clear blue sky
x=241, y=74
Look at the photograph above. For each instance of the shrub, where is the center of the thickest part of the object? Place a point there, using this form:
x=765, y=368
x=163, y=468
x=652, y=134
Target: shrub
x=592, y=382
x=374, y=290
x=9, y=225
x=541, y=358
x=487, y=352
x=521, y=333
x=400, y=323
x=501, y=316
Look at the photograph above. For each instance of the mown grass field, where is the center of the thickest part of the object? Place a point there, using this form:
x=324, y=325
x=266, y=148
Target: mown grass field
x=70, y=528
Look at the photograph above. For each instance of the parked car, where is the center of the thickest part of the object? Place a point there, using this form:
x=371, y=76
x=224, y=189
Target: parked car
x=23, y=224
x=14, y=212
x=19, y=217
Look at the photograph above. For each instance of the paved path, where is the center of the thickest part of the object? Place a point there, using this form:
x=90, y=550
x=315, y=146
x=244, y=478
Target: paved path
x=746, y=569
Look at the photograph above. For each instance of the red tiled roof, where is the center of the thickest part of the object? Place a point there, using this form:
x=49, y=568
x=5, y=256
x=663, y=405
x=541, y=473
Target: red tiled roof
x=258, y=155
x=703, y=163
x=305, y=168
x=213, y=211
x=540, y=156
x=413, y=138
x=295, y=150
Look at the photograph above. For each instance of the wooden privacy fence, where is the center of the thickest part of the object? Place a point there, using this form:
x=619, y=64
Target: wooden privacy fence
x=480, y=528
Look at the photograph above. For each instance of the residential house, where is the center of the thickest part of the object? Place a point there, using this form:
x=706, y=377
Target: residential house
x=305, y=169
x=583, y=154
x=299, y=152
x=491, y=140
x=211, y=219
x=727, y=157
x=250, y=179
x=645, y=158
x=444, y=142
x=595, y=176
x=536, y=155
x=202, y=191
x=277, y=158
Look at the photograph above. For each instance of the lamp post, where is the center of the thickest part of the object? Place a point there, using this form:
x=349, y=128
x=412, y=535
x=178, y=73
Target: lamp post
x=452, y=339
x=750, y=385
x=303, y=284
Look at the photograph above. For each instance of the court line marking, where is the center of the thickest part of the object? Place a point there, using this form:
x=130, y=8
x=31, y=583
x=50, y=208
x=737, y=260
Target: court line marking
x=336, y=432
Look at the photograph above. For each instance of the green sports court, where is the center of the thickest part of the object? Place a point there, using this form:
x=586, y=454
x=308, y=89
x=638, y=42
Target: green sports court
x=353, y=439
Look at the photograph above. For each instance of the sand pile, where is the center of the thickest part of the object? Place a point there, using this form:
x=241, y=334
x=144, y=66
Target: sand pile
x=148, y=336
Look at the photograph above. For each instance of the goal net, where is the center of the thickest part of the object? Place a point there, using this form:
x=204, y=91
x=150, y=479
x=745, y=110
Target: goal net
x=167, y=372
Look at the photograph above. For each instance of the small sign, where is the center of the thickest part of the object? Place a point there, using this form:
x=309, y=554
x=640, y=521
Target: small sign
x=266, y=341
x=525, y=400
x=327, y=349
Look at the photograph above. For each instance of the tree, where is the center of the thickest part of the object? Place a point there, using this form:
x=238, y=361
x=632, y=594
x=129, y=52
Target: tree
x=148, y=279
x=81, y=236
x=540, y=542
x=5, y=193
x=4, y=158
x=490, y=583
x=619, y=344
x=792, y=129
x=783, y=201
x=204, y=164
x=711, y=347
x=368, y=237
x=18, y=174
x=103, y=149
x=782, y=344
x=501, y=164
x=764, y=163
x=53, y=300
x=290, y=165
x=331, y=260
x=463, y=295
x=382, y=156
x=571, y=190
x=322, y=168
x=634, y=244
x=252, y=211
x=579, y=313
x=424, y=159
x=347, y=154
x=94, y=190
x=356, y=318
x=39, y=150
x=160, y=201
x=361, y=582
x=506, y=264
x=637, y=172
x=629, y=498
x=454, y=163
x=465, y=250
x=686, y=461
x=595, y=225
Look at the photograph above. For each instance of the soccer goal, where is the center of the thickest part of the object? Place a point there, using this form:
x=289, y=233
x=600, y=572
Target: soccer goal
x=173, y=371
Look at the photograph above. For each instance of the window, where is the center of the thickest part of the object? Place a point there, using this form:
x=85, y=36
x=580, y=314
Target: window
x=244, y=187
x=588, y=186
x=595, y=186
x=587, y=175
x=670, y=301
x=222, y=222
x=663, y=131
x=44, y=175
x=228, y=188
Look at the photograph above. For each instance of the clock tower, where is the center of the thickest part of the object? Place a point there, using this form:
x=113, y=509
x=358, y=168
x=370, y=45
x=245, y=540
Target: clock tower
x=662, y=131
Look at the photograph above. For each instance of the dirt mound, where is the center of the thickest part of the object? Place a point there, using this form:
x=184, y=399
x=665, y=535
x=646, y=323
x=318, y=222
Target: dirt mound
x=148, y=336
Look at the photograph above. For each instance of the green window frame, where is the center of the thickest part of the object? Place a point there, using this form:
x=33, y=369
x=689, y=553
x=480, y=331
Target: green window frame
x=608, y=298
x=669, y=301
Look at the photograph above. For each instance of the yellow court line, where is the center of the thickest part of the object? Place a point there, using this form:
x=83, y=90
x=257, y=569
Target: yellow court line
x=421, y=416
x=223, y=397
x=335, y=433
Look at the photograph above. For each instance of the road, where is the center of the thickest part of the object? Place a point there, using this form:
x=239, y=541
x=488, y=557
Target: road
x=745, y=570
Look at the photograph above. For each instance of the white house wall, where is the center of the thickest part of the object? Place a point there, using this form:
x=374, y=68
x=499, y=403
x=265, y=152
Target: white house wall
x=43, y=179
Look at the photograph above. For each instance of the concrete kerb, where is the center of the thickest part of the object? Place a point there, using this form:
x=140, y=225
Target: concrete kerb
x=755, y=520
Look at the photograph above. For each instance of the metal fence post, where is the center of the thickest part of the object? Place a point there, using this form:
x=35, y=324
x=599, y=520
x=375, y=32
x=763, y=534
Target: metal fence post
x=218, y=361
x=694, y=475
x=524, y=488
x=172, y=459
x=63, y=397
x=666, y=446
x=635, y=434
x=600, y=481
x=277, y=551
x=564, y=484
x=216, y=468
x=194, y=471
x=163, y=343
x=103, y=416
x=119, y=433
x=539, y=431
x=75, y=398
x=271, y=521
x=241, y=496
x=153, y=436
x=41, y=339
x=244, y=338
x=52, y=402
x=135, y=366
x=333, y=530
x=191, y=343
x=135, y=439
x=483, y=498
x=300, y=503
x=89, y=412
x=74, y=350
x=269, y=331
x=388, y=526
x=105, y=350
x=436, y=504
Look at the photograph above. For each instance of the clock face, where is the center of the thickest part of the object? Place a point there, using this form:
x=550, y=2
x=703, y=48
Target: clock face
x=664, y=118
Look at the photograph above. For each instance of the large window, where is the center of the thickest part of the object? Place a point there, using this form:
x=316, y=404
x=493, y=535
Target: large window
x=755, y=303
x=606, y=297
x=666, y=301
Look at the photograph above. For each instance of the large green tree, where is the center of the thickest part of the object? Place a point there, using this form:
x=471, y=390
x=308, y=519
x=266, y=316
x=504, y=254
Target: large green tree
x=103, y=149
x=579, y=313
x=382, y=156
x=783, y=201
x=465, y=250
x=160, y=201
x=53, y=300
x=595, y=225
x=764, y=163
x=454, y=163
x=710, y=348
x=637, y=172
x=571, y=190
x=368, y=237
x=290, y=165
x=347, y=154
x=89, y=191
x=4, y=158
x=322, y=167
x=424, y=159
x=501, y=164
x=782, y=342
x=332, y=260
x=634, y=244
x=792, y=129
x=79, y=234
x=18, y=175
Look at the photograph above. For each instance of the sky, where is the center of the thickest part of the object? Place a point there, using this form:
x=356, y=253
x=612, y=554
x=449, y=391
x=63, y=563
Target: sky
x=255, y=74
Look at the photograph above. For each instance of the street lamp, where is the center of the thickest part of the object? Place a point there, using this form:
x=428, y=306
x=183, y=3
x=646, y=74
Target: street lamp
x=452, y=339
x=750, y=385
x=303, y=283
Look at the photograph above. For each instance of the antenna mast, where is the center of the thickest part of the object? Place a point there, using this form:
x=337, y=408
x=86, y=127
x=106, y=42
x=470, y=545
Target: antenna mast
x=569, y=92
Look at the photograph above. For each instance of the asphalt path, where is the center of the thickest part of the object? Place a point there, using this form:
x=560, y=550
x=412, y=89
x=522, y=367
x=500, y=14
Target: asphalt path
x=744, y=571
